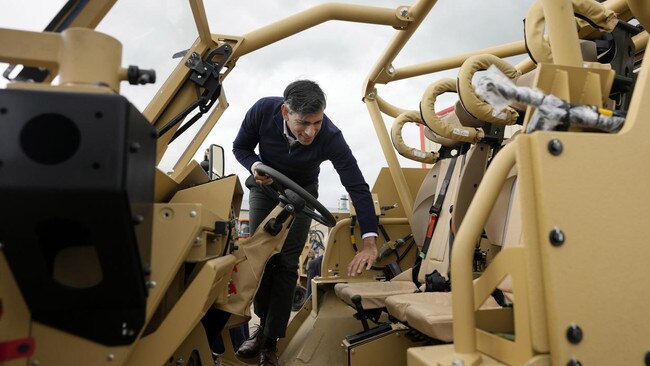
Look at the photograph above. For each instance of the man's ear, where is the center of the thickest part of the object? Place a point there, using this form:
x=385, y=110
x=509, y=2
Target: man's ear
x=285, y=111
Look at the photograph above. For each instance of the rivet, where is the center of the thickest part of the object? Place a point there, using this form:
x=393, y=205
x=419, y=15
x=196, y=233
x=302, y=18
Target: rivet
x=391, y=70
x=110, y=357
x=352, y=351
x=574, y=333
x=197, y=240
x=371, y=95
x=556, y=236
x=192, y=213
x=457, y=362
x=134, y=147
x=574, y=362
x=150, y=284
x=137, y=219
x=555, y=147
x=35, y=363
x=180, y=361
x=23, y=348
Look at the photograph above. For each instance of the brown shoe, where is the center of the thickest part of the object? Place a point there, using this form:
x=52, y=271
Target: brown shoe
x=268, y=358
x=250, y=349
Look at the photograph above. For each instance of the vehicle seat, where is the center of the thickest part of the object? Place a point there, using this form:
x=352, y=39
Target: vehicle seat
x=431, y=313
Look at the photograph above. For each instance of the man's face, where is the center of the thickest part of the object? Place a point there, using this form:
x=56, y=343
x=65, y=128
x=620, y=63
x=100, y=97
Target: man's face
x=304, y=127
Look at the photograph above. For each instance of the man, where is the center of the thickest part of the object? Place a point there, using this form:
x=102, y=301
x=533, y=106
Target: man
x=295, y=137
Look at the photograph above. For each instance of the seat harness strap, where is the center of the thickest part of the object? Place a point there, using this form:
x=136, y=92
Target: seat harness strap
x=434, y=213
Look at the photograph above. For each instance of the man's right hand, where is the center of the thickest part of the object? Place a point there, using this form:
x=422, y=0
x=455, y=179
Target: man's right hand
x=261, y=178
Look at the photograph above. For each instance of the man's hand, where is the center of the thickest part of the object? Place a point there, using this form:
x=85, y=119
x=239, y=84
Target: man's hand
x=365, y=258
x=261, y=178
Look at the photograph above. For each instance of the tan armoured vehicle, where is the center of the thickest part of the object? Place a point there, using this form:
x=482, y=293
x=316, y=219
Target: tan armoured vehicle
x=505, y=248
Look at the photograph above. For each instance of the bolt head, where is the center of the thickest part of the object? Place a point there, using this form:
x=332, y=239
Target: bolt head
x=555, y=147
x=556, y=237
x=192, y=213
x=404, y=12
x=574, y=334
x=150, y=284
x=457, y=362
x=137, y=219
x=574, y=362
x=110, y=357
x=391, y=70
x=134, y=147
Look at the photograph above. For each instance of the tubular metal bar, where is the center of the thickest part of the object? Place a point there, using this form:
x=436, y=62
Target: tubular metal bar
x=391, y=158
x=462, y=298
x=314, y=16
x=447, y=63
x=201, y=21
x=388, y=108
x=418, y=12
x=560, y=23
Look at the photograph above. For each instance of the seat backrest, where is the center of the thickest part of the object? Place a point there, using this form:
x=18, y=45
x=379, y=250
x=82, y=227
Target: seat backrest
x=468, y=172
x=504, y=226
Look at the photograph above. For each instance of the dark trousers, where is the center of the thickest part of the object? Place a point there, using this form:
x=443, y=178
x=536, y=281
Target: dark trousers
x=273, y=300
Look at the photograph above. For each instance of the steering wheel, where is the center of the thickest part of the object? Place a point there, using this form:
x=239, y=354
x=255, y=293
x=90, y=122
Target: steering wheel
x=312, y=208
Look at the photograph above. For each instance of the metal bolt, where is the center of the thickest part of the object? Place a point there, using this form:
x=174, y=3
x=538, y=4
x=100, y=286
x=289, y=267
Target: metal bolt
x=138, y=219
x=404, y=12
x=352, y=351
x=371, y=95
x=110, y=357
x=150, y=284
x=574, y=333
x=135, y=146
x=192, y=213
x=391, y=70
x=180, y=361
x=556, y=237
x=555, y=147
x=23, y=348
x=198, y=76
x=574, y=362
x=35, y=363
x=457, y=362
x=197, y=240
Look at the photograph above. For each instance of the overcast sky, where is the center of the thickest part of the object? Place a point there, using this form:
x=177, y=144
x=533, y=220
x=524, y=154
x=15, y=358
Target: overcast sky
x=338, y=55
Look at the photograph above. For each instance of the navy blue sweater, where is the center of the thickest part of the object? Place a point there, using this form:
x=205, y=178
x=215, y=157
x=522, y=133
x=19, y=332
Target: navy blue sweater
x=263, y=126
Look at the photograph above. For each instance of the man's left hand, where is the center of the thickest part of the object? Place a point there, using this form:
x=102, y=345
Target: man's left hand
x=365, y=258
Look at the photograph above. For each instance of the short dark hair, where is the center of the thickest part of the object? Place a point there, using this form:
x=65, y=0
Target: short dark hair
x=304, y=97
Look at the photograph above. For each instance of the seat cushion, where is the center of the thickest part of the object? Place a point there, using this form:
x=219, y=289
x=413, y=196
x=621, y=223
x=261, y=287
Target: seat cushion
x=396, y=305
x=373, y=293
x=432, y=315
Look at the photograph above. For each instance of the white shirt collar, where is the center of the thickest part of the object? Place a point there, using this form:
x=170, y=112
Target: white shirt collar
x=290, y=138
